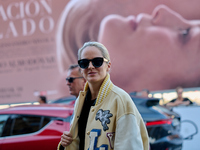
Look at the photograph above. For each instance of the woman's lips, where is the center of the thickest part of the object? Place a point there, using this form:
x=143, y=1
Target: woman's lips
x=92, y=73
x=132, y=22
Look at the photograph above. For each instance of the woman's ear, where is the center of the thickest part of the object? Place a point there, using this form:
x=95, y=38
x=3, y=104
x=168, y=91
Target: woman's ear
x=109, y=66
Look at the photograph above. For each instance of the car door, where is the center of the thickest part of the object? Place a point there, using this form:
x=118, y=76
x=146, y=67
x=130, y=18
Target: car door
x=20, y=131
x=27, y=132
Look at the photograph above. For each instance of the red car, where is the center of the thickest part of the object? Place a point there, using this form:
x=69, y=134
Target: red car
x=33, y=127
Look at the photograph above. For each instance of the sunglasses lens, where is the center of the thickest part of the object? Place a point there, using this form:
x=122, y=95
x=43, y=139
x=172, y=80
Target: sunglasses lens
x=70, y=80
x=83, y=63
x=97, y=62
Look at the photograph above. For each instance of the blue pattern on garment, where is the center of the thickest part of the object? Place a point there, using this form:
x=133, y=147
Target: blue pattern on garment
x=94, y=134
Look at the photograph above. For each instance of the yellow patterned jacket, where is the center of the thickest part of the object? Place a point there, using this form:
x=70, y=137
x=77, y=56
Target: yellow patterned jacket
x=113, y=123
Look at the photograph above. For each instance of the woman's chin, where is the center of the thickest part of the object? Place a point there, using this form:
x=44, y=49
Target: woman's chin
x=92, y=79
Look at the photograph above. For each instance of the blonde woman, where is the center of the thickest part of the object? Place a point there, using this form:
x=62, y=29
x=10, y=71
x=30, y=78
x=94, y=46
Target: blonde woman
x=105, y=116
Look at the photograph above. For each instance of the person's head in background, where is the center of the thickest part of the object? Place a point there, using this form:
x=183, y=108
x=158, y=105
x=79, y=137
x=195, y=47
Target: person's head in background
x=75, y=28
x=179, y=91
x=158, y=51
x=145, y=93
x=75, y=80
x=42, y=99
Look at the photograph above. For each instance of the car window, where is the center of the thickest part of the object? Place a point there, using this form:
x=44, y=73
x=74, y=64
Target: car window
x=45, y=121
x=3, y=119
x=24, y=124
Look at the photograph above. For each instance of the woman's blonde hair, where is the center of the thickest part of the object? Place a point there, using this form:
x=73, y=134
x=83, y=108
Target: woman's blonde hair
x=98, y=45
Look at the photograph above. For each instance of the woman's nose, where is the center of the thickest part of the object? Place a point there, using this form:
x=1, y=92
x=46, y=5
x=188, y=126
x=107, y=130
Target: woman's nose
x=164, y=16
x=90, y=65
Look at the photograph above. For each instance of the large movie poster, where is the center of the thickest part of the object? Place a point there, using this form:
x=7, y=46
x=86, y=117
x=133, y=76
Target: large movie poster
x=153, y=44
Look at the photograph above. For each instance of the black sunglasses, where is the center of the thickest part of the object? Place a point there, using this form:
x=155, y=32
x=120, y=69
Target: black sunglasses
x=96, y=62
x=71, y=79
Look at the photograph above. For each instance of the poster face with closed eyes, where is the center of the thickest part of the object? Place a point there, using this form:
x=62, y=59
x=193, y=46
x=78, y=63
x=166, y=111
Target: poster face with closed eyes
x=152, y=45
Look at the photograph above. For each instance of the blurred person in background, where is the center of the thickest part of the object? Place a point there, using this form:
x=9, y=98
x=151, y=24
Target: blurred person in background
x=180, y=100
x=75, y=80
x=145, y=93
x=42, y=99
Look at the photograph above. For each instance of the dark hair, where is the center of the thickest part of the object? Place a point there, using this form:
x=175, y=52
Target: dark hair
x=146, y=90
x=177, y=88
x=73, y=66
x=43, y=98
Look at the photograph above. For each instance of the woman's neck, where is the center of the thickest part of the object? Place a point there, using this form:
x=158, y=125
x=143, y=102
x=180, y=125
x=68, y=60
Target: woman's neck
x=180, y=98
x=94, y=89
